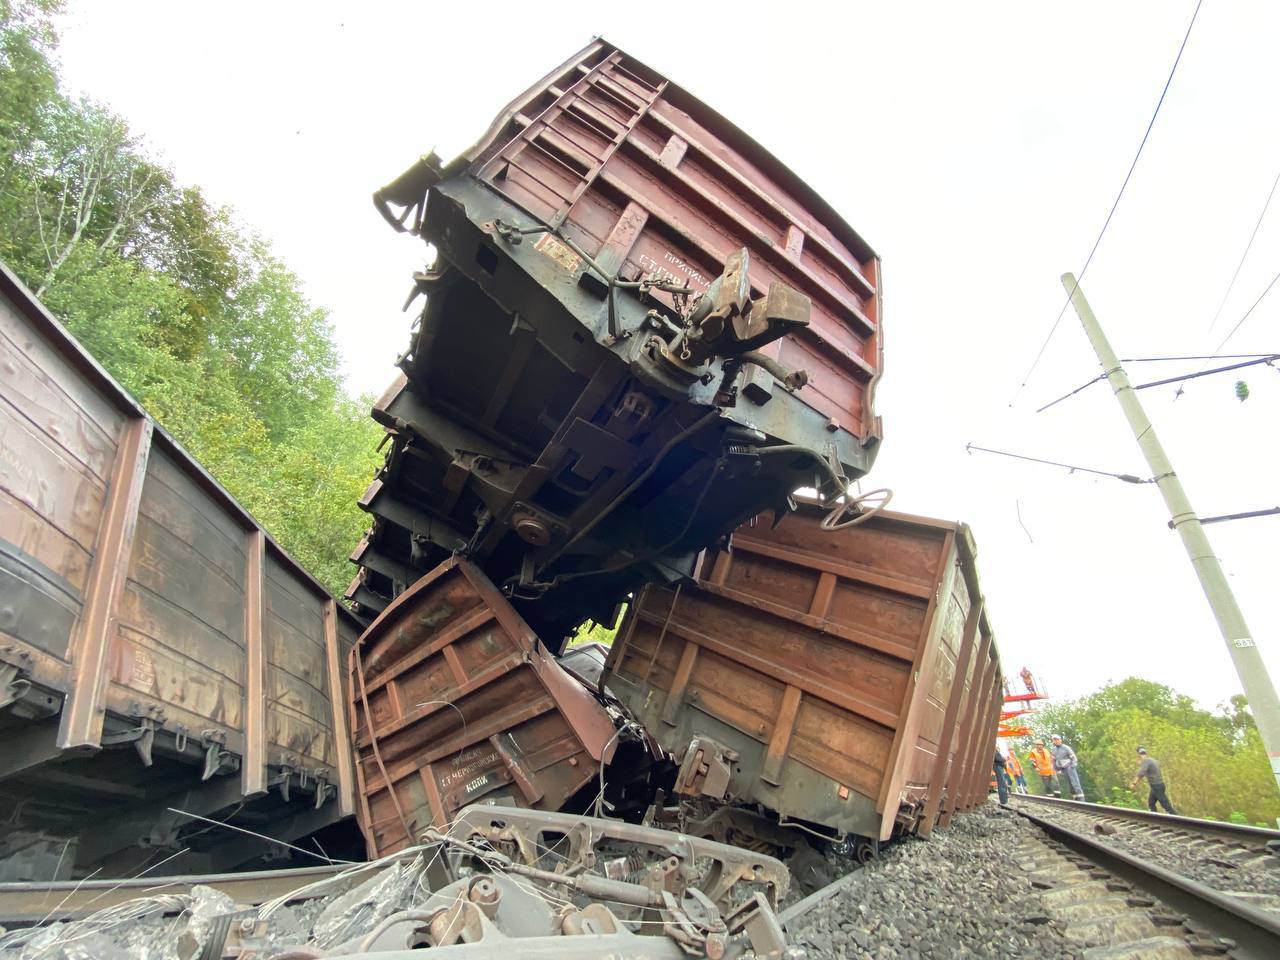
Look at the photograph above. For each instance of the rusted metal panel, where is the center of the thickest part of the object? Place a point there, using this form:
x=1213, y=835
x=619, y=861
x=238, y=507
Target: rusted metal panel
x=454, y=701
x=971, y=756
x=254, y=770
x=621, y=140
x=160, y=649
x=181, y=626
x=58, y=445
x=824, y=662
x=338, y=641
x=84, y=712
x=300, y=719
x=954, y=697
x=634, y=306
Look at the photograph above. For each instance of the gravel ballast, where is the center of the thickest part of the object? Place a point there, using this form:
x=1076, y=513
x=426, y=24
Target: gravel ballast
x=958, y=894
x=1204, y=865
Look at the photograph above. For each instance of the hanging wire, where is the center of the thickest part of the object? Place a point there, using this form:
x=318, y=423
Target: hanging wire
x=1241, y=321
x=1111, y=213
x=1126, y=477
x=1247, y=247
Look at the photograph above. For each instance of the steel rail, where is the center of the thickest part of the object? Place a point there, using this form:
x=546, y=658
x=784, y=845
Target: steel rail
x=1256, y=934
x=816, y=899
x=1232, y=832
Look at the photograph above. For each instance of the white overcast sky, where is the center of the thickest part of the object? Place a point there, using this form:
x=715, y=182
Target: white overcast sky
x=977, y=147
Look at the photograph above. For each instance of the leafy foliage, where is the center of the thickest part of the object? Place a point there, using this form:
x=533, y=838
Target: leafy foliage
x=192, y=314
x=1213, y=762
x=592, y=632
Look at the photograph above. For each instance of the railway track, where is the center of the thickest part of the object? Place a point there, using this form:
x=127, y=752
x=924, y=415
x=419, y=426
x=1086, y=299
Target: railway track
x=1238, y=860
x=1231, y=845
x=1131, y=906
x=1093, y=898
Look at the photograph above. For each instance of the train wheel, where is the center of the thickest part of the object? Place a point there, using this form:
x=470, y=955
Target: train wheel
x=866, y=850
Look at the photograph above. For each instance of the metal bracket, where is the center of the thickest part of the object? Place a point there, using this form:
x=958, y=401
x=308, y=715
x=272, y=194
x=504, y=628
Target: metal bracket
x=705, y=769
x=150, y=718
x=283, y=779
x=215, y=756
x=324, y=789
x=764, y=932
x=12, y=684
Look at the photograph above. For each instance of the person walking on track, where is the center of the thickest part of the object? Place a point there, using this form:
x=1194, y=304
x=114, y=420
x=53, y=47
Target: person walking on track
x=1042, y=761
x=1149, y=770
x=1014, y=766
x=1064, y=761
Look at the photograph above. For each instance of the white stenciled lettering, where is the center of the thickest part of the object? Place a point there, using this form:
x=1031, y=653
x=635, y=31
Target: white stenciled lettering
x=682, y=271
x=466, y=756
x=469, y=769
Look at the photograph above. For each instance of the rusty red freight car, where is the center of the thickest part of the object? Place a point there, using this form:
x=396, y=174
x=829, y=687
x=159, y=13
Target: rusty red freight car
x=157, y=649
x=455, y=701
x=848, y=680
x=641, y=329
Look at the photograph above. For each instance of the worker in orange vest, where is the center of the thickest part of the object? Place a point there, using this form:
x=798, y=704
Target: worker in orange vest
x=1015, y=770
x=1042, y=760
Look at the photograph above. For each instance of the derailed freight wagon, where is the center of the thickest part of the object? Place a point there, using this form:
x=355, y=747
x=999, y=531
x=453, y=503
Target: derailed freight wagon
x=847, y=680
x=454, y=701
x=157, y=649
x=641, y=330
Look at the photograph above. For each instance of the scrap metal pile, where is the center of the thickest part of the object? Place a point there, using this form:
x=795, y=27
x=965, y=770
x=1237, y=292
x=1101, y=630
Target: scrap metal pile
x=498, y=882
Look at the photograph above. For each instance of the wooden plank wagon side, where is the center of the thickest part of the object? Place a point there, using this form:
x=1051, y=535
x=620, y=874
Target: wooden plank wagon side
x=836, y=671
x=157, y=648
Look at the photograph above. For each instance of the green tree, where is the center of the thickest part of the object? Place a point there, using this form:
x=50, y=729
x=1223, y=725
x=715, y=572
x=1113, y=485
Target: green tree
x=278, y=345
x=1214, y=762
x=191, y=313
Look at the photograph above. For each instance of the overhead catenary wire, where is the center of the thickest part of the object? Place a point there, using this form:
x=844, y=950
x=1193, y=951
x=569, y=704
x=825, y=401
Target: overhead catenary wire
x=1115, y=204
x=1202, y=356
x=1268, y=358
x=1073, y=468
x=1247, y=247
x=1240, y=322
x=1269, y=361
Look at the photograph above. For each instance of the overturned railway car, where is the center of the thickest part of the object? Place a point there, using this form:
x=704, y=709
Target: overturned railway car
x=157, y=649
x=455, y=701
x=847, y=680
x=640, y=330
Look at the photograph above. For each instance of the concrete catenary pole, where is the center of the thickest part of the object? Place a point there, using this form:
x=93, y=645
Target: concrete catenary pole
x=1244, y=652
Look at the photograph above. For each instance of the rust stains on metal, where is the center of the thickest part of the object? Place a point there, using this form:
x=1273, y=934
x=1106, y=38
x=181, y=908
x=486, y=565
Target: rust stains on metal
x=339, y=700
x=154, y=641
x=826, y=666
x=83, y=715
x=456, y=700
x=255, y=721
x=650, y=298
